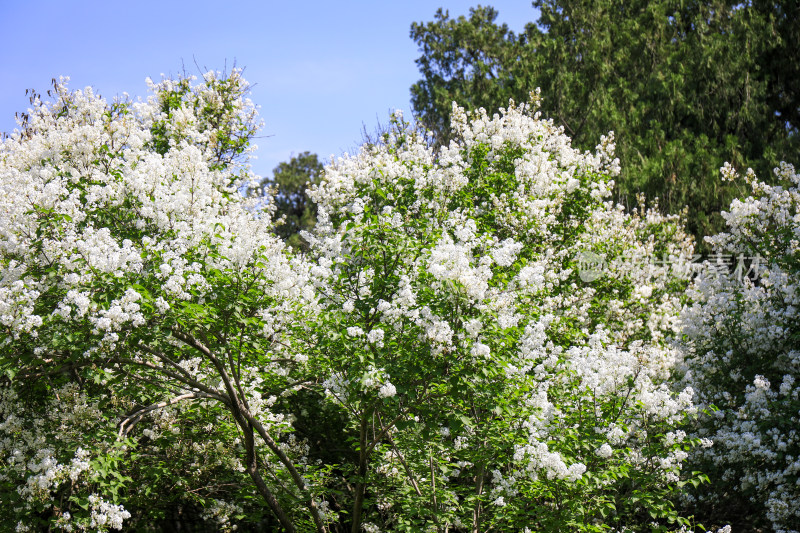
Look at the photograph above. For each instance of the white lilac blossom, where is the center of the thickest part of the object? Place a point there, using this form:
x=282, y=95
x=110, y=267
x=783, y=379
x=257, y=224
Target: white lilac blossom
x=605, y=451
x=223, y=514
x=375, y=337
x=740, y=356
x=387, y=390
x=105, y=515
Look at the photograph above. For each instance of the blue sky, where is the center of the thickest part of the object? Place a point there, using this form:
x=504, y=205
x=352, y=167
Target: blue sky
x=320, y=69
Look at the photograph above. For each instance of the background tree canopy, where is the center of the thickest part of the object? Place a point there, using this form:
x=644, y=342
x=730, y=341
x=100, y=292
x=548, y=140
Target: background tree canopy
x=686, y=86
x=290, y=179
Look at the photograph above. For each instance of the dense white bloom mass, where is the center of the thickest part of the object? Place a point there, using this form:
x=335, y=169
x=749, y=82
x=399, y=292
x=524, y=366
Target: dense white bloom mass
x=741, y=355
x=465, y=256
x=123, y=234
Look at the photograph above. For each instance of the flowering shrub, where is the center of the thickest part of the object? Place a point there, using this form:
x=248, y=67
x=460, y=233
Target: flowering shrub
x=141, y=300
x=742, y=357
x=486, y=385
x=437, y=361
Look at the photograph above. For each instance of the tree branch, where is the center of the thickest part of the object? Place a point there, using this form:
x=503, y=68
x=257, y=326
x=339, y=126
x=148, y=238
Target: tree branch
x=129, y=422
x=247, y=422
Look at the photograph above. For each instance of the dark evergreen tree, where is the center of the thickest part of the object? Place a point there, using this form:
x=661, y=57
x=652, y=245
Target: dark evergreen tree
x=290, y=179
